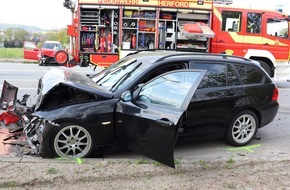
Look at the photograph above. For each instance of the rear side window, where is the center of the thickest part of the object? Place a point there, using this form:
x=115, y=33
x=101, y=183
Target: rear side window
x=249, y=74
x=215, y=75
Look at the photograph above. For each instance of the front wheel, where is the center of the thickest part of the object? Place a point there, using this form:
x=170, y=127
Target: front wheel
x=242, y=128
x=72, y=141
x=41, y=63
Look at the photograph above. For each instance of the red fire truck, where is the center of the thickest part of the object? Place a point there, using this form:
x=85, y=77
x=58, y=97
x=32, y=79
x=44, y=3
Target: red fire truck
x=103, y=31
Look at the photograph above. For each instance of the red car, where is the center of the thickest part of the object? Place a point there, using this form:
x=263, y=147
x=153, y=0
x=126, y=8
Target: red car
x=50, y=52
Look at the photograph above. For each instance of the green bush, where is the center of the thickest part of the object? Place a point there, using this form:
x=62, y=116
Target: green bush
x=12, y=53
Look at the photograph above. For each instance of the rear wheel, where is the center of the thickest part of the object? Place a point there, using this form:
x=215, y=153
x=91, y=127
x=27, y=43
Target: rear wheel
x=72, y=141
x=242, y=128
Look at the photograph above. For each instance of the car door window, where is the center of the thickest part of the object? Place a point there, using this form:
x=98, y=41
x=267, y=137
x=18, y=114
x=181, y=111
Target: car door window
x=169, y=89
x=159, y=71
x=215, y=75
x=249, y=74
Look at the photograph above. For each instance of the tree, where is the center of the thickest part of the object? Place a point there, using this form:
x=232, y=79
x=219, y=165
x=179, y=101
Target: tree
x=16, y=36
x=58, y=35
x=20, y=34
x=9, y=34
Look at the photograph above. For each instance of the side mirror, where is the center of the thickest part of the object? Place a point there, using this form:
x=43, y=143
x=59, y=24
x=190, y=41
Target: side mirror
x=127, y=96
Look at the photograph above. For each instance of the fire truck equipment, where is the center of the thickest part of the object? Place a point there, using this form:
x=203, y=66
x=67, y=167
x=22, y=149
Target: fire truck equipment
x=193, y=25
x=133, y=41
x=110, y=39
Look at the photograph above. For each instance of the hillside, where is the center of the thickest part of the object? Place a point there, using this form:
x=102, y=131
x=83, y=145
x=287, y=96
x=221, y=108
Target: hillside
x=4, y=26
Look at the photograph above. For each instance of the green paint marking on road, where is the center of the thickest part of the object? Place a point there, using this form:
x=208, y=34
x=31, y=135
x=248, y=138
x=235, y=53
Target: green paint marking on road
x=61, y=158
x=77, y=160
x=247, y=148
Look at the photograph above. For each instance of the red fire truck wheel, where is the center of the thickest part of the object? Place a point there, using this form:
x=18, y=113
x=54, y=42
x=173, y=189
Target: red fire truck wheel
x=61, y=57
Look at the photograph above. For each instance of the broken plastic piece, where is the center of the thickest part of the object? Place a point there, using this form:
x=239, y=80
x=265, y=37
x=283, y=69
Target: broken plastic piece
x=8, y=96
x=8, y=118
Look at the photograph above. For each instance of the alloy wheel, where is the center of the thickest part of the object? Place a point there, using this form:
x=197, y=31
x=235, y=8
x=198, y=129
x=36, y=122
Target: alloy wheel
x=244, y=128
x=73, y=141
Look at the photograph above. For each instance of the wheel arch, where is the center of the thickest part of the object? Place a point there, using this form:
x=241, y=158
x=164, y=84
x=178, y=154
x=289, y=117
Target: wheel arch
x=255, y=111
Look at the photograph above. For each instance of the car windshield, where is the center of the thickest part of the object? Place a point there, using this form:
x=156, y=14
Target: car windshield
x=119, y=75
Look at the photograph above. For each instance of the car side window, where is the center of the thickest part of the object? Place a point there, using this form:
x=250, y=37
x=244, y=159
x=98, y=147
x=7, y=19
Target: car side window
x=215, y=75
x=169, y=89
x=249, y=74
x=232, y=79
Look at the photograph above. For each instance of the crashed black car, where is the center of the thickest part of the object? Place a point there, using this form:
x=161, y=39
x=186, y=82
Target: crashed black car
x=147, y=100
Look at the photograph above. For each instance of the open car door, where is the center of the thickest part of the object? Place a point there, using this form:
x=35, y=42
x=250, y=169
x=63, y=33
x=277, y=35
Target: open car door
x=30, y=50
x=151, y=117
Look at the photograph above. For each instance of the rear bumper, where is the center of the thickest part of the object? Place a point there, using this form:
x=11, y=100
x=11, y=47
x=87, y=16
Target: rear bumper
x=269, y=113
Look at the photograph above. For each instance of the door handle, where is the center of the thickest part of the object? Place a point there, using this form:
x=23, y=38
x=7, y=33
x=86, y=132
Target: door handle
x=231, y=93
x=266, y=44
x=221, y=41
x=165, y=122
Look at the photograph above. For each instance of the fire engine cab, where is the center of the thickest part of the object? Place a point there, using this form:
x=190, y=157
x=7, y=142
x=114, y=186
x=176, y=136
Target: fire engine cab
x=103, y=31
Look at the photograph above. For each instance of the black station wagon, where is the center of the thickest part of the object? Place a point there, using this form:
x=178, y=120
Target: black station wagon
x=147, y=100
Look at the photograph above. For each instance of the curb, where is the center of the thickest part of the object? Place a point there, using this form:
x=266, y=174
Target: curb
x=17, y=60
x=32, y=159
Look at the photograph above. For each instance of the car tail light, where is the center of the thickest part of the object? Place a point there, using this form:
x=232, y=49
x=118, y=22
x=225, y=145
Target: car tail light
x=275, y=94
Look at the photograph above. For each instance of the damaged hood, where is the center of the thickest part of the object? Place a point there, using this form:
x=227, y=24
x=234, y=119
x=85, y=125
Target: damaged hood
x=67, y=78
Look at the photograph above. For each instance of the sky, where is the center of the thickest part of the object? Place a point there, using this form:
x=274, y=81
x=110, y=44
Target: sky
x=50, y=14
x=264, y=4
x=45, y=14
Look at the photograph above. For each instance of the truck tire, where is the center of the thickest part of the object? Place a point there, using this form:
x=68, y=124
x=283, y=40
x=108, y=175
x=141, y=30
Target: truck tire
x=266, y=67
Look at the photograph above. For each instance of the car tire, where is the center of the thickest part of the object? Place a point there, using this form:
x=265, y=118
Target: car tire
x=41, y=63
x=72, y=141
x=242, y=128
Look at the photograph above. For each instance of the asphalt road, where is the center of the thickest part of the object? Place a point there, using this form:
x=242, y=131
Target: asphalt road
x=272, y=141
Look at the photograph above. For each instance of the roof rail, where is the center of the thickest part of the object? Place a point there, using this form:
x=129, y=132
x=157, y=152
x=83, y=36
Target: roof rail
x=147, y=50
x=224, y=56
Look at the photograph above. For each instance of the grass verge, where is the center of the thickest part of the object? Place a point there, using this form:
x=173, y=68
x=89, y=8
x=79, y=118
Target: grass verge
x=11, y=53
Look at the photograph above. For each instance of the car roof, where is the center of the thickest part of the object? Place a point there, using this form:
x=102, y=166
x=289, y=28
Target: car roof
x=52, y=42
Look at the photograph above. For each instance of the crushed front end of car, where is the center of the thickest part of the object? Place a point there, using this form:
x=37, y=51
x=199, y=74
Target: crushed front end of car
x=35, y=133
x=64, y=96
